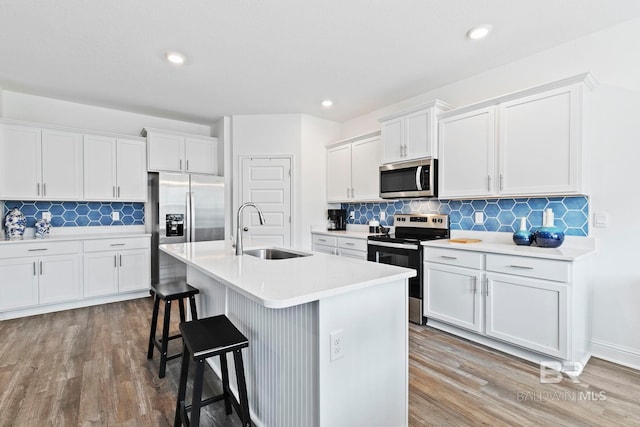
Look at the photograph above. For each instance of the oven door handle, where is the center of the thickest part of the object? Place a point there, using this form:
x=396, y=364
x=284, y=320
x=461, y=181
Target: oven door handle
x=394, y=245
x=419, y=178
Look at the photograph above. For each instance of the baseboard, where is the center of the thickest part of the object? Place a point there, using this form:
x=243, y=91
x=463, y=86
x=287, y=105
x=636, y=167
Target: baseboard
x=615, y=353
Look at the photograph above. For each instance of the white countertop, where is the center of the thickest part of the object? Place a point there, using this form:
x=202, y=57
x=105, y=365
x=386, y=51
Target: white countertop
x=79, y=233
x=287, y=282
x=344, y=233
x=572, y=249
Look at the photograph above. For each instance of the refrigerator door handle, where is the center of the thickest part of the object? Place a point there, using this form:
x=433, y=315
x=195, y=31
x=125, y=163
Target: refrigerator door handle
x=187, y=218
x=192, y=217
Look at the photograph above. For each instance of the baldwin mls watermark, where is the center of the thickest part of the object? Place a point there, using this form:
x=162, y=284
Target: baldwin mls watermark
x=553, y=372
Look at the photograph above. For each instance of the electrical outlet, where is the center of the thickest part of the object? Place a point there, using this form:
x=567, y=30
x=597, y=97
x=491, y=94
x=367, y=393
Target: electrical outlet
x=479, y=218
x=115, y=216
x=46, y=215
x=337, y=344
x=352, y=215
x=383, y=215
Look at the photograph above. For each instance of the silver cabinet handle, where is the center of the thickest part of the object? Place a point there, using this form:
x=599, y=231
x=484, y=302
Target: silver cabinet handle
x=447, y=257
x=118, y=191
x=34, y=268
x=114, y=191
x=487, y=288
x=524, y=267
x=353, y=193
x=322, y=240
x=44, y=188
x=41, y=271
x=180, y=164
x=475, y=285
x=187, y=164
x=488, y=182
x=115, y=261
x=349, y=243
x=37, y=250
x=501, y=182
x=120, y=256
x=38, y=188
x=118, y=244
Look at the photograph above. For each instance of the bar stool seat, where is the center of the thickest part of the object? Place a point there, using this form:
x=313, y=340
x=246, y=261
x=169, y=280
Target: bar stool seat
x=168, y=292
x=204, y=338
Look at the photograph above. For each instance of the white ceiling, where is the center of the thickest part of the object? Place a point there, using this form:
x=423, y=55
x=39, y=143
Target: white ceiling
x=273, y=56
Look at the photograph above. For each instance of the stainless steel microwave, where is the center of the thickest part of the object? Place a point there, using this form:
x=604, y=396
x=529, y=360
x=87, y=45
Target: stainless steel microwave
x=409, y=179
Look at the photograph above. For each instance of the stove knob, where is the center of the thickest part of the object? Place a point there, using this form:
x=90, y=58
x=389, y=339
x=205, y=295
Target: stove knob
x=440, y=220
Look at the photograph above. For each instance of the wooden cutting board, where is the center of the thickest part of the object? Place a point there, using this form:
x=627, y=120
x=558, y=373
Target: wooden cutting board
x=464, y=240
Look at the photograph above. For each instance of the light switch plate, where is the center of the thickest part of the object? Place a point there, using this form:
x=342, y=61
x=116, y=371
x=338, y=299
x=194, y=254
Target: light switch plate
x=601, y=220
x=46, y=215
x=115, y=216
x=383, y=215
x=479, y=218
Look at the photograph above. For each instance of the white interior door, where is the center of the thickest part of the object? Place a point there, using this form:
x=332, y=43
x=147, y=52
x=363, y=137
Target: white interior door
x=267, y=183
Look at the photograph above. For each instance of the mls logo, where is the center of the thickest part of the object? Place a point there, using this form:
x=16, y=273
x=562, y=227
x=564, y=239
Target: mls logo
x=552, y=372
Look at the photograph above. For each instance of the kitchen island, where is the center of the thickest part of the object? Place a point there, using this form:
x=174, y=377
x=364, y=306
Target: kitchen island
x=328, y=340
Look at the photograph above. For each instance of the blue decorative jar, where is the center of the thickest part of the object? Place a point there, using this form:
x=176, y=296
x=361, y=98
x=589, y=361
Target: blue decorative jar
x=42, y=228
x=549, y=237
x=15, y=223
x=523, y=236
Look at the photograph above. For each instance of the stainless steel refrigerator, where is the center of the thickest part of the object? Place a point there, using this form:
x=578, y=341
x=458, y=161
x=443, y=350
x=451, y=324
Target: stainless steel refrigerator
x=184, y=208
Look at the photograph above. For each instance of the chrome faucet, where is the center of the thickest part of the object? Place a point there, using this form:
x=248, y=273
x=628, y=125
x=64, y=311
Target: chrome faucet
x=241, y=228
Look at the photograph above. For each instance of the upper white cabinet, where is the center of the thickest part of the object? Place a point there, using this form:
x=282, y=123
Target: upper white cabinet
x=115, y=169
x=40, y=163
x=412, y=133
x=175, y=152
x=526, y=143
x=353, y=169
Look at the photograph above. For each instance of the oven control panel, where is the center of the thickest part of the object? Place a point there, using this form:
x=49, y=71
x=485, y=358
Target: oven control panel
x=421, y=220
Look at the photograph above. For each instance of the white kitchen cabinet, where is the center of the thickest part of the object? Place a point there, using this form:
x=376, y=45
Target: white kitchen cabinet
x=176, y=152
x=114, y=266
x=511, y=302
x=40, y=163
x=411, y=134
x=353, y=171
x=325, y=244
x=524, y=143
x=115, y=169
x=467, y=154
x=39, y=273
x=346, y=246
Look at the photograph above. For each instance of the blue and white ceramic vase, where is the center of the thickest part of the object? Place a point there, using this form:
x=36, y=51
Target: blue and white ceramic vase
x=548, y=236
x=42, y=228
x=14, y=224
x=523, y=236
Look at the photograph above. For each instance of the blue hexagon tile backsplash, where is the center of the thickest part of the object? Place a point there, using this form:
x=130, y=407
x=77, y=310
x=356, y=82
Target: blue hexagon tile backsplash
x=571, y=213
x=79, y=214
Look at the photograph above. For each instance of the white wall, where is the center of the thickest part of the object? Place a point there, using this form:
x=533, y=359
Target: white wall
x=613, y=132
x=303, y=137
x=38, y=109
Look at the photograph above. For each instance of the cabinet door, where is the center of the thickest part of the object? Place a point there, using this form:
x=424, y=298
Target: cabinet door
x=134, y=270
x=100, y=274
x=467, y=151
x=365, y=171
x=165, y=152
x=131, y=170
x=325, y=249
x=393, y=140
x=350, y=253
x=453, y=295
x=417, y=135
x=99, y=168
x=339, y=173
x=62, y=167
x=20, y=162
x=527, y=312
x=19, y=284
x=538, y=147
x=59, y=278
x=201, y=155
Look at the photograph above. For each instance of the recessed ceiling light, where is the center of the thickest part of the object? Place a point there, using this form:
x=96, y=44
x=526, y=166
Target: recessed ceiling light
x=479, y=32
x=175, y=58
x=327, y=103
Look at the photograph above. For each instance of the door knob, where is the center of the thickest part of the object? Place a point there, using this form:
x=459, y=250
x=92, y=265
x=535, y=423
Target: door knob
x=246, y=228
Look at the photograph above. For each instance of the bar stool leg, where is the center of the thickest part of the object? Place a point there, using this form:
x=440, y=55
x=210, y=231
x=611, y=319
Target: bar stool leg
x=165, y=338
x=154, y=323
x=225, y=383
x=192, y=306
x=182, y=316
x=242, y=388
x=196, y=401
x=182, y=387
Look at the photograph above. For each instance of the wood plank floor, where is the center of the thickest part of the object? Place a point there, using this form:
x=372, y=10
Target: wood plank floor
x=88, y=367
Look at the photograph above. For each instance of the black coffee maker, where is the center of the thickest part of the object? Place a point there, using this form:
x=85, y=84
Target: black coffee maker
x=337, y=219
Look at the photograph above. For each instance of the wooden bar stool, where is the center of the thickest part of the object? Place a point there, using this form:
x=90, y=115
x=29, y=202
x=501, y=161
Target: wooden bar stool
x=208, y=337
x=168, y=292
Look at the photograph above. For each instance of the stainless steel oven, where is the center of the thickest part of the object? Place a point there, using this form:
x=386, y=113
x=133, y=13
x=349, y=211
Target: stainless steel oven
x=405, y=249
x=409, y=179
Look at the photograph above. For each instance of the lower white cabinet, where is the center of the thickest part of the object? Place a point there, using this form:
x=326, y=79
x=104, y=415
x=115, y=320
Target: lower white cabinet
x=36, y=273
x=350, y=247
x=112, y=266
x=541, y=305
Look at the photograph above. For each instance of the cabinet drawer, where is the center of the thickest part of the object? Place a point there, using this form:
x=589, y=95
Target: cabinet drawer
x=559, y=271
x=454, y=257
x=16, y=250
x=323, y=239
x=99, y=245
x=352, y=243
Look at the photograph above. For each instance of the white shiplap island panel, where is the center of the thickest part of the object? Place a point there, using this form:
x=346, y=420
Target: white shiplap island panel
x=288, y=309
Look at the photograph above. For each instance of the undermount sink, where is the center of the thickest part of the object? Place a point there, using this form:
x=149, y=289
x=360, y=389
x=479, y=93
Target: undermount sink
x=274, y=253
